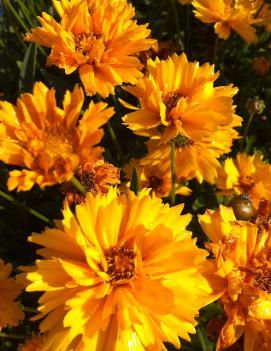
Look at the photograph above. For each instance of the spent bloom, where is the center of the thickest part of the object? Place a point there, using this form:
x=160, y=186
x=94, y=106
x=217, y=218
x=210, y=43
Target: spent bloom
x=47, y=141
x=121, y=273
x=97, y=37
x=242, y=252
x=10, y=312
x=246, y=174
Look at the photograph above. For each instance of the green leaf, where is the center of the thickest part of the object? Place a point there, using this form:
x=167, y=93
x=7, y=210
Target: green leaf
x=27, y=73
x=135, y=182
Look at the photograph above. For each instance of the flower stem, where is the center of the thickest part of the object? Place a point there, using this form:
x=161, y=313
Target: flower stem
x=201, y=340
x=173, y=172
x=78, y=185
x=25, y=207
x=177, y=22
x=248, y=125
x=12, y=336
x=114, y=139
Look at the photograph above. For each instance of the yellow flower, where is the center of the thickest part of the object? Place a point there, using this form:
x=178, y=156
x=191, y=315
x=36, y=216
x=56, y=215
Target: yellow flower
x=10, y=312
x=246, y=175
x=156, y=176
x=97, y=37
x=242, y=255
x=179, y=98
x=227, y=15
x=48, y=142
x=194, y=158
x=122, y=273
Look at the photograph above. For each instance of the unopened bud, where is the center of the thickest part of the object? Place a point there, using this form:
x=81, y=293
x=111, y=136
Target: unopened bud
x=255, y=106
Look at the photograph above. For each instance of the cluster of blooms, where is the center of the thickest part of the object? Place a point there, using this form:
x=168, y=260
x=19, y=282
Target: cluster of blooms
x=98, y=264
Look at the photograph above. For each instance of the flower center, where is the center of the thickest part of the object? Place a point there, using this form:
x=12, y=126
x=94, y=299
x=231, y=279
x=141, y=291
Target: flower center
x=84, y=42
x=171, y=100
x=246, y=183
x=182, y=141
x=57, y=145
x=262, y=279
x=155, y=182
x=120, y=263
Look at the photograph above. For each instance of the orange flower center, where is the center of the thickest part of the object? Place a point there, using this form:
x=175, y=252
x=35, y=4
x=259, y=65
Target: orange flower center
x=171, y=100
x=84, y=42
x=246, y=183
x=155, y=182
x=120, y=263
x=57, y=145
x=262, y=279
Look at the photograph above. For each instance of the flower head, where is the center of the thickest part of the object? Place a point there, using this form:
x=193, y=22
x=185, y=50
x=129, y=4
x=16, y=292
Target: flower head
x=121, y=273
x=178, y=97
x=237, y=15
x=97, y=37
x=10, y=312
x=154, y=175
x=95, y=177
x=246, y=175
x=242, y=252
x=49, y=142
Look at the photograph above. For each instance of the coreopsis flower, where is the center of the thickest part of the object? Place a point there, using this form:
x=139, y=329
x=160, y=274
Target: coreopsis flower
x=47, y=141
x=95, y=177
x=178, y=97
x=10, y=288
x=246, y=174
x=121, y=273
x=156, y=176
x=260, y=66
x=194, y=158
x=237, y=15
x=97, y=37
x=241, y=251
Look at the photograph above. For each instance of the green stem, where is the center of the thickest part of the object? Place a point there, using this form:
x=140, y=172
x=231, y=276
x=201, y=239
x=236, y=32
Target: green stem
x=114, y=139
x=25, y=207
x=248, y=126
x=78, y=185
x=201, y=340
x=29, y=309
x=177, y=22
x=12, y=336
x=173, y=173
x=187, y=44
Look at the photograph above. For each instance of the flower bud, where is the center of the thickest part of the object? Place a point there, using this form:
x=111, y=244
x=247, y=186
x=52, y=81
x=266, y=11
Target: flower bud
x=255, y=106
x=242, y=207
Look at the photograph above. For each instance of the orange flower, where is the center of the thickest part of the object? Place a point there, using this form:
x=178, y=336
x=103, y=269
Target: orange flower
x=122, y=273
x=99, y=38
x=47, y=141
x=246, y=175
x=242, y=252
x=237, y=15
x=10, y=312
x=179, y=97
